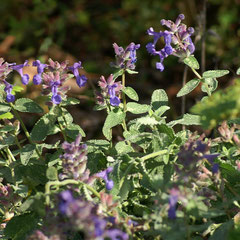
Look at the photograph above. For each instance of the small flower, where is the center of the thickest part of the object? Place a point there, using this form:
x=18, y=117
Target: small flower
x=19, y=69
x=116, y=234
x=127, y=58
x=215, y=168
x=8, y=89
x=37, y=79
x=110, y=89
x=105, y=176
x=65, y=198
x=173, y=199
x=81, y=79
x=177, y=41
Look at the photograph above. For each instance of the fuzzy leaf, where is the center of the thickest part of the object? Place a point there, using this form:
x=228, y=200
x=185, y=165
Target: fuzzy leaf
x=26, y=153
x=27, y=105
x=52, y=173
x=188, y=119
x=4, y=108
x=131, y=93
x=114, y=118
x=238, y=71
x=159, y=98
x=212, y=84
x=137, y=108
x=192, y=62
x=6, y=116
x=70, y=101
x=43, y=126
x=188, y=87
x=215, y=73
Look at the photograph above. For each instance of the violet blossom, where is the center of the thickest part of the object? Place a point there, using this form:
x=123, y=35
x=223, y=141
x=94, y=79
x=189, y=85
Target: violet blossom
x=173, y=199
x=19, y=69
x=177, y=41
x=37, y=79
x=125, y=59
x=109, y=89
x=105, y=176
x=80, y=79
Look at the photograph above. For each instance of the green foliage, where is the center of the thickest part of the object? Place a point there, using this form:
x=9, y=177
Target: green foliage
x=131, y=93
x=188, y=87
x=27, y=105
x=192, y=62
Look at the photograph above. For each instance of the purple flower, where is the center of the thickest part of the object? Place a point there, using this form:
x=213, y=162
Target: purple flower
x=173, y=199
x=116, y=234
x=177, y=35
x=65, y=198
x=37, y=79
x=105, y=176
x=127, y=58
x=80, y=79
x=8, y=89
x=110, y=89
x=19, y=69
x=215, y=168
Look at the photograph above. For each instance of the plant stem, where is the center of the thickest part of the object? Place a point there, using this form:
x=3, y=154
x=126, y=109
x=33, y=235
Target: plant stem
x=152, y=155
x=65, y=182
x=199, y=77
x=11, y=160
x=62, y=131
x=24, y=128
x=183, y=105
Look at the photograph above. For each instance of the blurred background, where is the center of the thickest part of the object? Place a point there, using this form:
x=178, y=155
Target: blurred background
x=84, y=30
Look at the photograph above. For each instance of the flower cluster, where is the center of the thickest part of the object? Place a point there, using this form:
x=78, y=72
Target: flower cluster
x=190, y=157
x=125, y=59
x=177, y=40
x=109, y=90
x=84, y=217
x=52, y=81
x=74, y=161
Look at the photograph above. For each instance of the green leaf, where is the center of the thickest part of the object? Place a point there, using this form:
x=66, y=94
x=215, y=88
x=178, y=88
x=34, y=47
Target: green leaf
x=222, y=232
x=160, y=111
x=114, y=118
x=188, y=87
x=74, y=130
x=137, y=108
x=212, y=84
x=131, y=71
x=27, y=105
x=222, y=105
x=188, y=119
x=192, y=62
x=131, y=93
x=20, y=226
x=118, y=73
x=6, y=116
x=147, y=121
x=17, y=89
x=26, y=153
x=159, y=98
x=238, y=71
x=4, y=108
x=70, y=101
x=52, y=173
x=122, y=147
x=215, y=73
x=43, y=126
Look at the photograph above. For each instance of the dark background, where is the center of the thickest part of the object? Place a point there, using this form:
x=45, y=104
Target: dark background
x=84, y=30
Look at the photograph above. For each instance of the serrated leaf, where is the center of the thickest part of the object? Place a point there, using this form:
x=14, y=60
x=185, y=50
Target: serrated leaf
x=26, y=153
x=114, y=118
x=159, y=98
x=215, y=73
x=6, y=116
x=147, y=121
x=137, y=108
x=122, y=147
x=27, y=105
x=52, y=173
x=4, y=108
x=192, y=62
x=131, y=93
x=212, y=84
x=188, y=119
x=188, y=87
x=74, y=130
x=20, y=226
x=42, y=128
